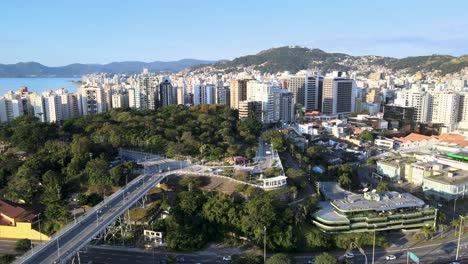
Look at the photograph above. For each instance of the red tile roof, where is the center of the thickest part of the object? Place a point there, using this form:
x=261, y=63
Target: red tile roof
x=17, y=211
x=412, y=137
x=451, y=138
x=10, y=209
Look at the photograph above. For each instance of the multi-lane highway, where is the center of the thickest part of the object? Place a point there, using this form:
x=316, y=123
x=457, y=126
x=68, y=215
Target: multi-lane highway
x=66, y=243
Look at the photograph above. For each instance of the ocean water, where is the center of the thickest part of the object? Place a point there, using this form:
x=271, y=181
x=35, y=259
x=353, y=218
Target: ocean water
x=38, y=85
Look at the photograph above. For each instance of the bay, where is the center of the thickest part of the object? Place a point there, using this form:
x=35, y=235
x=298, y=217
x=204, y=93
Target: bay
x=38, y=85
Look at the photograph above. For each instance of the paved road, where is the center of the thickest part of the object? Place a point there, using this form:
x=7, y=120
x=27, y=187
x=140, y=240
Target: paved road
x=63, y=245
x=436, y=253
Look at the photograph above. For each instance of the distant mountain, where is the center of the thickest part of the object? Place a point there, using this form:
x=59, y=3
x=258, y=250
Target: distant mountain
x=34, y=69
x=296, y=58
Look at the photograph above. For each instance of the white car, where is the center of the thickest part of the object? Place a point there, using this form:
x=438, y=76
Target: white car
x=390, y=257
x=227, y=258
x=349, y=255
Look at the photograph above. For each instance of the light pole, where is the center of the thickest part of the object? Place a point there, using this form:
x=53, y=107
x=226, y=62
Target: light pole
x=264, y=244
x=58, y=247
x=360, y=250
x=40, y=231
x=454, y=207
x=74, y=215
x=459, y=236
x=373, y=247
x=97, y=217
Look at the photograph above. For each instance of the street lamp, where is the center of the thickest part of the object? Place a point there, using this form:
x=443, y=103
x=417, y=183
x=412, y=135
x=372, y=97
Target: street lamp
x=58, y=247
x=40, y=232
x=264, y=244
x=97, y=217
x=459, y=236
x=360, y=250
x=74, y=215
x=373, y=247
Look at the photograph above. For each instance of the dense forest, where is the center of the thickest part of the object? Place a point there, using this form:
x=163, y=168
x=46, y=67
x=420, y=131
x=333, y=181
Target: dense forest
x=42, y=164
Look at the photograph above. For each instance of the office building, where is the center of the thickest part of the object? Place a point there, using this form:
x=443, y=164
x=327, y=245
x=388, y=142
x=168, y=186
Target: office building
x=313, y=92
x=166, y=93
x=402, y=115
x=338, y=96
x=346, y=212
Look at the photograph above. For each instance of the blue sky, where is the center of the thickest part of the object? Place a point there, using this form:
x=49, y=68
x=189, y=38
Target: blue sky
x=58, y=32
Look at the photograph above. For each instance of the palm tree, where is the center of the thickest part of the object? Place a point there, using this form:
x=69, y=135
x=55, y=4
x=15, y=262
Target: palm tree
x=382, y=187
x=344, y=180
x=441, y=216
x=427, y=231
x=455, y=224
x=443, y=227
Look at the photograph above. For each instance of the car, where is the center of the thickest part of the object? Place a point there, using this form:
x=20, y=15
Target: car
x=390, y=257
x=454, y=262
x=310, y=261
x=227, y=258
x=349, y=255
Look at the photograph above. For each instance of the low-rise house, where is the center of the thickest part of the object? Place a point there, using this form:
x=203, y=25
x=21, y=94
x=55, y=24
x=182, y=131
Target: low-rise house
x=447, y=183
x=394, y=169
x=19, y=221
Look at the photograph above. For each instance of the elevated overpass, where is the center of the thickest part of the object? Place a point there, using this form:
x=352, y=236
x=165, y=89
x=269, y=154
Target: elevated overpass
x=65, y=244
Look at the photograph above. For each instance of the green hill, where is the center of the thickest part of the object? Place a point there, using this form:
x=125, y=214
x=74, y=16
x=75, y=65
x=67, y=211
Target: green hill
x=296, y=58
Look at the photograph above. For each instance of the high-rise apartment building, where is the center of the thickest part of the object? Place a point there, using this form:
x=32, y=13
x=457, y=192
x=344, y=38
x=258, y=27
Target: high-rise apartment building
x=52, y=107
x=180, y=91
x=338, y=96
x=445, y=108
x=297, y=86
x=421, y=101
x=286, y=109
x=90, y=100
x=238, y=91
x=250, y=109
x=120, y=100
x=223, y=96
x=69, y=103
x=204, y=94
x=148, y=92
x=134, y=98
x=463, y=108
x=373, y=96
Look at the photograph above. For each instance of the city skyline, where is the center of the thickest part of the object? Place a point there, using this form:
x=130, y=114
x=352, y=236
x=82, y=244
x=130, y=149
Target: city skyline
x=57, y=33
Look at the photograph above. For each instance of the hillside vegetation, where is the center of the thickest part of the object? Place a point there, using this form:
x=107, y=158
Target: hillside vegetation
x=296, y=58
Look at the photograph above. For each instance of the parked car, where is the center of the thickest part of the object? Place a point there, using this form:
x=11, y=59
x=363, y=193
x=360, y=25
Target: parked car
x=227, y=258
x=390, y=257
x=349, y=255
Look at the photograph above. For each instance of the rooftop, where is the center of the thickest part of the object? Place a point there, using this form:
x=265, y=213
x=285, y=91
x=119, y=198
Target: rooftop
x=458, y=176
x=396, y=161
x=19, y=212
x=332, y=191
x=382, y=201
